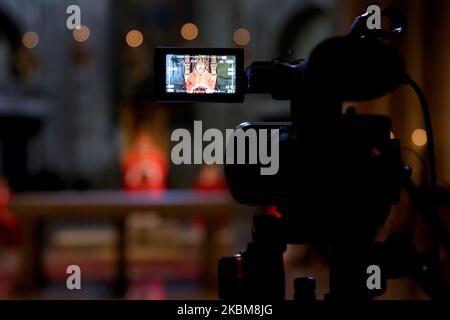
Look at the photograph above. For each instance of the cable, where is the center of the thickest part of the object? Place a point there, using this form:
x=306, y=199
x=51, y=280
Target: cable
x=432, y=214
x=442, y=184
x=429, y=130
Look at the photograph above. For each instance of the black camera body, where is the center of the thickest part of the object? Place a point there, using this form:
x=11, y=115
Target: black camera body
x=337, y=170
x=327, y=192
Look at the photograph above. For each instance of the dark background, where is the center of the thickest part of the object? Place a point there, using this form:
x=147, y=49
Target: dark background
x=70, y=111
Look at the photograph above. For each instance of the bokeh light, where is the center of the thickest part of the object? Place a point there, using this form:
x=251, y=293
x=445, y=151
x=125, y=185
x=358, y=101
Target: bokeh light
x=134, y=38
x=189, y=31
x=419, y=137
x=82, y=34
x=30, y=39
x=241, y=37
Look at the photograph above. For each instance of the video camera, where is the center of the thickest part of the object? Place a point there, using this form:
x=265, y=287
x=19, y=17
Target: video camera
x=339, y=172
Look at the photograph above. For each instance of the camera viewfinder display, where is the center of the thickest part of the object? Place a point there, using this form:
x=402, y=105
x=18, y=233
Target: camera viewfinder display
x=200, y=74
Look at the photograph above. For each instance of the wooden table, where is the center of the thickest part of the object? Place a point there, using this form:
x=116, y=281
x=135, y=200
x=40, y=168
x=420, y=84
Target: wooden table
x=36, y=209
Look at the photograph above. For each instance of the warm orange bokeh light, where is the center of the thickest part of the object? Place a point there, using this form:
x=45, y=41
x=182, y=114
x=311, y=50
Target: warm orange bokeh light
x=30, y=40
x=189, y=31
x=419, y=137
x=134, y=38
x=241, y=37
x=82, y=34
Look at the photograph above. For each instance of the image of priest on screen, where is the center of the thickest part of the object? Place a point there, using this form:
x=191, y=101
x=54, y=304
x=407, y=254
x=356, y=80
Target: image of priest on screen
x=201, y=80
